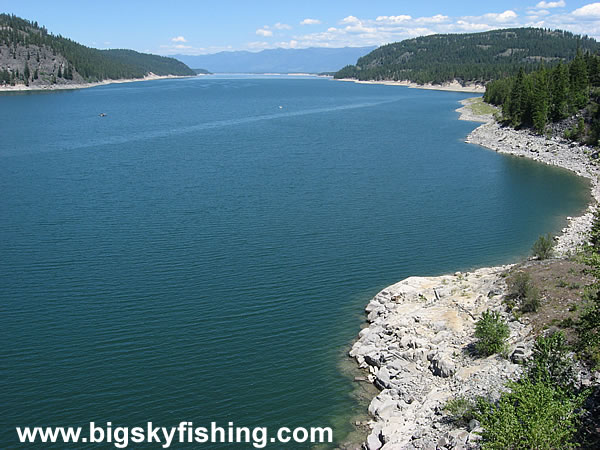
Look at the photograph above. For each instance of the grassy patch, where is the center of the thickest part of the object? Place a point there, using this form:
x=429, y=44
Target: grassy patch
x=480, y=108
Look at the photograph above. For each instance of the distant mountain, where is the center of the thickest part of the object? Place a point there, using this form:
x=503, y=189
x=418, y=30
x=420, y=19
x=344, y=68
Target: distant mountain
x=30, y=55
x=468, y=58
x=308, y=60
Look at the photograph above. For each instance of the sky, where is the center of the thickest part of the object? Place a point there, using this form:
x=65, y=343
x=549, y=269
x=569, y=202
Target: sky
x=196, y=27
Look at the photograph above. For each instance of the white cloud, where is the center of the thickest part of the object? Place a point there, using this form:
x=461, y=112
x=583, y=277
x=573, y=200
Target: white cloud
x=438, y=18
x=393, y=19
x=179, y=39
x=289, y=44
x=463, y=25
x=591, y=11
x=538, y=13
x=350, y=19
x=548, y=5
x=264, y=32
x=257, y=45
x=383, y=29
x=282, y=26
x=506, y=16
x=310, y=22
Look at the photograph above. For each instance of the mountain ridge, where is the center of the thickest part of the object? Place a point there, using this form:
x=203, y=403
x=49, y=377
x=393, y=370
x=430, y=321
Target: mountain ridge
x=469, y=58
x=279, y=60
x=31, y=56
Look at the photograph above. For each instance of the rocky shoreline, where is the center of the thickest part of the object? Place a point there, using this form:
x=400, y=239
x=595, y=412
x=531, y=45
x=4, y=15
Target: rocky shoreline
x=69, y=86
x=418, y=345
x=453, y=86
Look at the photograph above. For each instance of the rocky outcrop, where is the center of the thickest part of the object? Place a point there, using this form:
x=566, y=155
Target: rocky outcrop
x=418, y=349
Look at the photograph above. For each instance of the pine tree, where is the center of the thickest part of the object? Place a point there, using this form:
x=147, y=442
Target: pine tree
x=579, y=82
x=560, y=92
x=540, y=101
x=516, y=104
x=59, y=74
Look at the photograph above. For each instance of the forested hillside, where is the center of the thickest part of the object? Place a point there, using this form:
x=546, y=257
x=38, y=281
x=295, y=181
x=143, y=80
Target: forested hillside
x=29, y=54
x=468, y=58
x=566, y=93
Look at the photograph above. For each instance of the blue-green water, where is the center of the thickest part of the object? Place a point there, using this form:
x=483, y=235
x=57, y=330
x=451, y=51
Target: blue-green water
x=204, y=252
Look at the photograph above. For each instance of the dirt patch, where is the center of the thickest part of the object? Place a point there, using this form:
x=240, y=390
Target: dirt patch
x=562, y=284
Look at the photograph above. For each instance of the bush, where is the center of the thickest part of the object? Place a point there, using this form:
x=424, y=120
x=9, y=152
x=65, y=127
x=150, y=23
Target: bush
x=533, y=415
x=522, y=289
x=588, y=330
x=461, y=409
x=550, y=362
x=491, y=332
x=543, y=247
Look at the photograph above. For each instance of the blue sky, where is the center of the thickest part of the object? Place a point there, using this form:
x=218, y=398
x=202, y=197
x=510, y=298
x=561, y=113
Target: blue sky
x=200, y=27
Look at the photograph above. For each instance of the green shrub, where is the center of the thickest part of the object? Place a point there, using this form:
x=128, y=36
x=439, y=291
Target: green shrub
x=531, y=302
x=543, y=247
x=588, y=330
x=561, y=283
x=550, y=362
x=523, y=289
x=533, y=414
x=461, y=409
x=491, y=333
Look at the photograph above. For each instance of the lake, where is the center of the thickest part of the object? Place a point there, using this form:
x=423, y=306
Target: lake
x=204, y=252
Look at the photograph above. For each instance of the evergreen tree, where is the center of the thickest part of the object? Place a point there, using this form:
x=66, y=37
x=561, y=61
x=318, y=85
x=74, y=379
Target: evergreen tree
x=540, y=101
x=579, y=82
x=560, y=92
x=59, y=74
x=516, y=104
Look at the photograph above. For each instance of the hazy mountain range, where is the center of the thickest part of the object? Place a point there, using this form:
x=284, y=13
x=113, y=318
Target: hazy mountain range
x=308, y=60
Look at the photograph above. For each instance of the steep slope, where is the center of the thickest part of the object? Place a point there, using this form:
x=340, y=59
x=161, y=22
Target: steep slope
x=307, y=60
x=30, y=55
x=468, y=58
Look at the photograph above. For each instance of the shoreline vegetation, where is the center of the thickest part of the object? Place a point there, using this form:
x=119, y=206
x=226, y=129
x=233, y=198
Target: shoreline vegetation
x=419, y=346
x=70, y=86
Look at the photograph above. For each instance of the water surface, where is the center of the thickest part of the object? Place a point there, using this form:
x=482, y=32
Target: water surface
x=204, y=252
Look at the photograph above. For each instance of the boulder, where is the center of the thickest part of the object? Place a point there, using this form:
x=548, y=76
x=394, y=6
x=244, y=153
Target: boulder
x=373, y=359
x=442, y=366
x=473, y=423
x=382, y=380
x=373, y=442
x=520, y=354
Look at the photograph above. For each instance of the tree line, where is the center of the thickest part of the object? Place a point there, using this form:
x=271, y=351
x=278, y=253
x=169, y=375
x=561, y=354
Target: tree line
x=550, y=95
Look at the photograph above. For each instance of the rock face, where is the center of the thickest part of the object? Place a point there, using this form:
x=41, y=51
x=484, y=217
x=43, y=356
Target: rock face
x=417, y=350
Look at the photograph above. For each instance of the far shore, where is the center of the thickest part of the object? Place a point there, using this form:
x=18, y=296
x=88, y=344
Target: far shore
x=59, y=87
x=453, y=86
